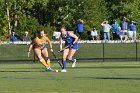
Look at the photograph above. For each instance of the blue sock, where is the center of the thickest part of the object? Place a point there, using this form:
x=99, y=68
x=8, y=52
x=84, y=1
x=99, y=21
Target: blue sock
x=64, y=62
x=72, y=60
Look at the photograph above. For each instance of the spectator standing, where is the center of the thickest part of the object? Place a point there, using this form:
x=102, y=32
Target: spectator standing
x=115, y=30
x=13, y=37
x=124, y=27
x=80, y=28
x=132, y=28
x=124, y=24
x=94, y=34
x=106, y=30
x=26, y=37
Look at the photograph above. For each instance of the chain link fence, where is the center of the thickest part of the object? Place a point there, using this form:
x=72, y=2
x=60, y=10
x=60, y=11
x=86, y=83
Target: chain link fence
x=87, y=52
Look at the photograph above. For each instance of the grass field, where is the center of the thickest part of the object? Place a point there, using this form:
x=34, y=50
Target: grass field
x=87, y=77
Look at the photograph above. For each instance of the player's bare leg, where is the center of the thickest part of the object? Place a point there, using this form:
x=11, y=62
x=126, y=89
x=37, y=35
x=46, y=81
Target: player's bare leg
x=45, y=54
x=70, y=57
x=38, y=53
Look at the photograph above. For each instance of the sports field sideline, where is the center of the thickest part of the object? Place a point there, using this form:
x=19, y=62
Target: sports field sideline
x=87, y=77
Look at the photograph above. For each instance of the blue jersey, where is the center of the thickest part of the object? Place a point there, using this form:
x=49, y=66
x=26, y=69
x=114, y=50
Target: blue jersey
x=80, y=27
x=115, y=28
x=68, y=40
x=13, y=38
x=132, y=27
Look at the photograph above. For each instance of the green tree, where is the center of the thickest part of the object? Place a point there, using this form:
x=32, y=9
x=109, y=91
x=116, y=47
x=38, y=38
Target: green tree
x=124, y=8
x=31, y=15
x=3, y=21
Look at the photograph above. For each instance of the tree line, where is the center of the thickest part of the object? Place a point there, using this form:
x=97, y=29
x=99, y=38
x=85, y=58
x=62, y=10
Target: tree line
x=33, y=15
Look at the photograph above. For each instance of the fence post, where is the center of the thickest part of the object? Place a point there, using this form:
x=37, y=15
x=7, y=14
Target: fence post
x=34, y=58
x=103, y=52
x=136, y=51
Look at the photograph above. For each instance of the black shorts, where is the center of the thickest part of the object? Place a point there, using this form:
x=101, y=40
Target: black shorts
x=80, y=34
x=115, y=36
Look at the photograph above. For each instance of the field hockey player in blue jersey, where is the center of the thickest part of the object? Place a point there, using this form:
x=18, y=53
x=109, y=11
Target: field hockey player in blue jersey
x=70, y=47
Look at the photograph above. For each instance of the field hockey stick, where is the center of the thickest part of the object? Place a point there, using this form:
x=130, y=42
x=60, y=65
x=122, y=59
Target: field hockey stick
x=28, y=54
x=65, y=48
x=57, y=59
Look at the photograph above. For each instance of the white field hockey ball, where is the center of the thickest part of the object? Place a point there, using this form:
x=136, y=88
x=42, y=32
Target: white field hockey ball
x=56, y=70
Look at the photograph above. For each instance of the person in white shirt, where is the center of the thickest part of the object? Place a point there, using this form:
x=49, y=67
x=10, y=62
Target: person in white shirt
x=106, y=30
x=94, y=33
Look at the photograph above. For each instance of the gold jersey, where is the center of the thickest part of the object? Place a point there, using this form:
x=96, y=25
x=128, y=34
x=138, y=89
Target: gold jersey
x=40, y=42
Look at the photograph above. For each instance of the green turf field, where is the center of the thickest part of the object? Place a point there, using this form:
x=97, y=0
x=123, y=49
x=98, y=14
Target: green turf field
x=87, y=77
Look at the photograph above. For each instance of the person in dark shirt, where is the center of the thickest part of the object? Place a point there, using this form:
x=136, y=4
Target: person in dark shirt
x=80, y=28
x=132, y=28
x=13, y=37
x=26, y=37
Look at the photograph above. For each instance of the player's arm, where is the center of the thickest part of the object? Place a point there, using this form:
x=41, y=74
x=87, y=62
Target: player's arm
x=74, y=36
x=30, y=47
x=50, y=43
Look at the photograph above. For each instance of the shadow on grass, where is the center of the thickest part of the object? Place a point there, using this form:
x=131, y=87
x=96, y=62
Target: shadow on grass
x=73, y=78
x=22, y=71
x=108, y=78
x=82, y=67
x=110, y=67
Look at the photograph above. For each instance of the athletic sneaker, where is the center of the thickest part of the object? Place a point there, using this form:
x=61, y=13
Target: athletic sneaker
x=63, y=70
x=48, y=69
x=74, y=63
